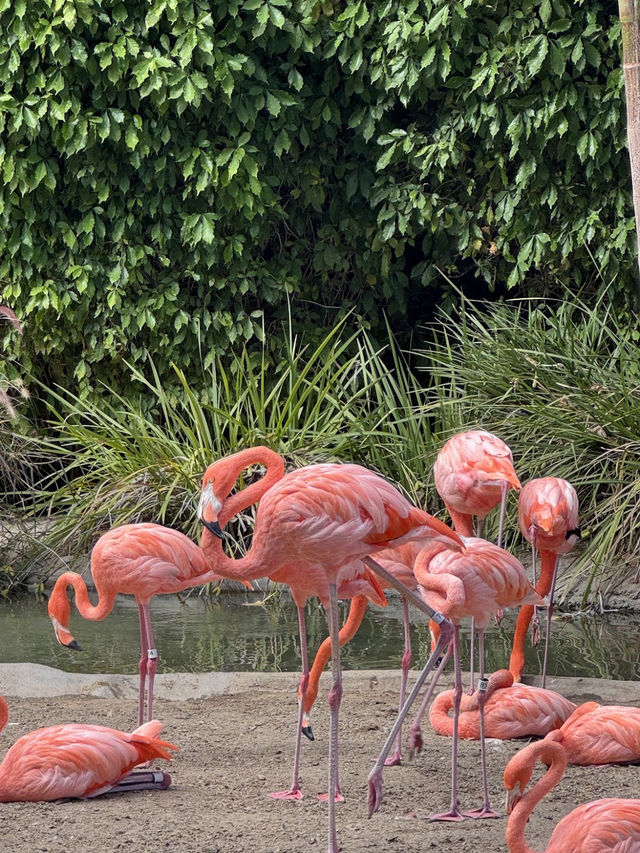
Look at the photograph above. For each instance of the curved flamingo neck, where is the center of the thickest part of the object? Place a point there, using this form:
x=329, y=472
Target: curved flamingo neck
x=95, y=612
x=462, y=522
x=254, y=491
x=550, y=752
x=249, y=566
x=548, y=562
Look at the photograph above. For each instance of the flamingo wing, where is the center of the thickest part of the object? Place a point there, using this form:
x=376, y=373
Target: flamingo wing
x=604, y=734
x=602, y=826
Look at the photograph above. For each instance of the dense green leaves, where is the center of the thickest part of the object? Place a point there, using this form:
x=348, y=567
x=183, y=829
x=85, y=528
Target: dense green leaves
x=180, y=167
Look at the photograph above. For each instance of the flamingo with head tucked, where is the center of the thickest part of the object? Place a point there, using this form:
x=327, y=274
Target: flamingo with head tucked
x=77, y=760
x=313, y=527
x=596, y=827
x=548, y=519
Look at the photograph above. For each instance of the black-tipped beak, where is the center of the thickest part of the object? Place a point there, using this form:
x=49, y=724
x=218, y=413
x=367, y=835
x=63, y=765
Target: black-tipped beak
x=307, y=732
x=213, y=527
x=574, y=532
x=75, y=645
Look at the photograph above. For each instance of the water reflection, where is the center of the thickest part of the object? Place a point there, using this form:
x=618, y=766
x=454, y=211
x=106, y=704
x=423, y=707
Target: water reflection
x=237, y=632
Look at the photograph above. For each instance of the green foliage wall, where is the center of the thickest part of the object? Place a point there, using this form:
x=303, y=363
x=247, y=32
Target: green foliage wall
x=172, y=169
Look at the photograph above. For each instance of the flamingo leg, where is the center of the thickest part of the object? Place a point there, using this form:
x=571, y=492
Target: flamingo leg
x=152, y=658
x=472, y=656
x=504, y=486
x=294, y=792
x=335, y=698
x=396, y=758
x=439, y=658
x=549, y=615
x=454, y=812
x=415, y=730
x=485, y=810
x=142, y=664
x=535, y=622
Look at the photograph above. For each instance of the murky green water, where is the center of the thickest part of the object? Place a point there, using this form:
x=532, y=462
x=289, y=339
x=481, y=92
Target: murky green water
x=237, y=632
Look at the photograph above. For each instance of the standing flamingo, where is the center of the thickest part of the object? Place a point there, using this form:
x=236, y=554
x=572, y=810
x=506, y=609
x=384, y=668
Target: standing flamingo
x=601, y=734
x=471, y=583
x=399, y=561
x=77, y=760
x=548, y=519
x=511, y=711
x=601, y=825
x=142, y=560
x=473, y=473
x=313, y=527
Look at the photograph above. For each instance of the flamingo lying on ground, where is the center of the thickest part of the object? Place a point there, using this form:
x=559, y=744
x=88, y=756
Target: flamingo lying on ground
x=142, y=560
x=312, y=528
x=601, y=825
x=399, y=561
x=511, y=711
x=600, y=734
x=548, y=519
x=475, y=582
x=76, y=760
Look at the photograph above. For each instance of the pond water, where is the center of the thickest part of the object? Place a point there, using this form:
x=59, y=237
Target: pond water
x=238, y=631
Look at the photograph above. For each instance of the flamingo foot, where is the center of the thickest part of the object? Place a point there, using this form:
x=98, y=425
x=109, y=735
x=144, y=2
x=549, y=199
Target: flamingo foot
x=375, y=791
x=291, y=794
x=480, y=814
x=453, y=816
x=394, y=760
x=324, y=798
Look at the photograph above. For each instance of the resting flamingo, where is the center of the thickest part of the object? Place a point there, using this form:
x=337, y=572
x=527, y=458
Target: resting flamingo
x=142, y=560
x=511, y=711
x=601, y=825
x=399, y=561
x=548, y=519
x=76, y=760
x=474, y=582
x=601, y=734
x=312, y=529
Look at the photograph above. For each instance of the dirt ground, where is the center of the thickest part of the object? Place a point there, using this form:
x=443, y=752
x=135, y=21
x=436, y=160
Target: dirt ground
x=235, y=737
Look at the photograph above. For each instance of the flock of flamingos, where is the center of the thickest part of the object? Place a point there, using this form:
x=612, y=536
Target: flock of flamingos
x=341, y=531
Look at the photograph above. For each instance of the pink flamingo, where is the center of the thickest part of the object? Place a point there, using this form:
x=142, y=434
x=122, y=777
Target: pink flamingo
x=472, y=583
x=511, y=711
x=601, y=825
x=600, y=734
x=399, y=561
x=313, y=527
x=142, y=560
x=76, y=760
x=548, y=519
x=473, y=473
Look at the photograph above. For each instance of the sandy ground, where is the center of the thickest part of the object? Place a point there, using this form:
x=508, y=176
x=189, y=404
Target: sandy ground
x=235, y=733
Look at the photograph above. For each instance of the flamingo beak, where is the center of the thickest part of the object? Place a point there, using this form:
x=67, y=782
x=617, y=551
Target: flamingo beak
x=213, y=527
x=514, y=795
